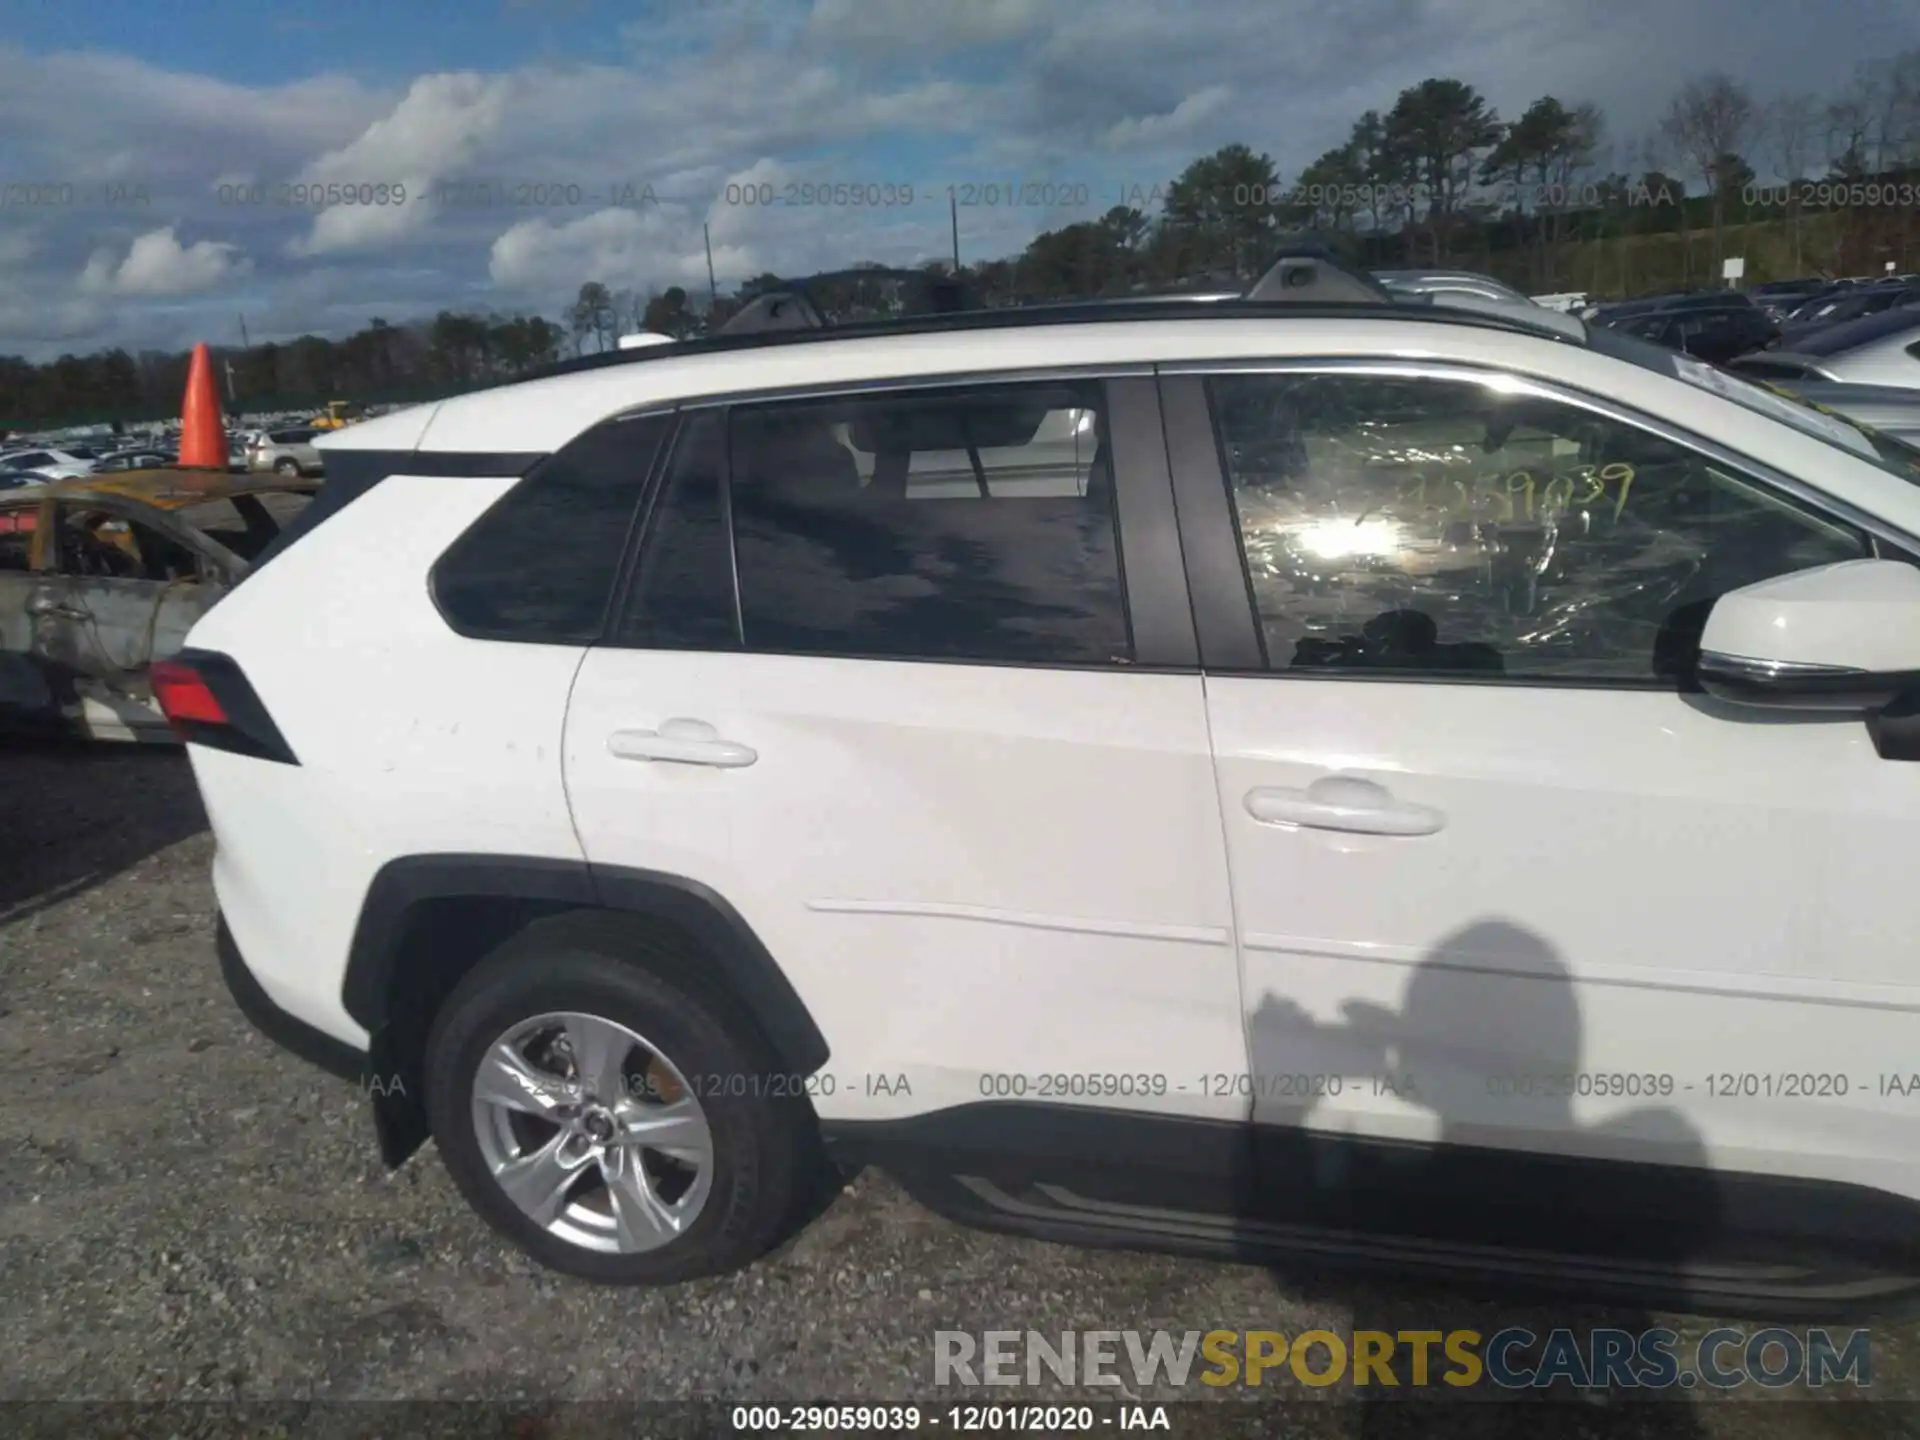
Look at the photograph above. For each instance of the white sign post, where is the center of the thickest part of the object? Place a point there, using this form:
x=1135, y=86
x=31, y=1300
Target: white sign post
x=1733, y=268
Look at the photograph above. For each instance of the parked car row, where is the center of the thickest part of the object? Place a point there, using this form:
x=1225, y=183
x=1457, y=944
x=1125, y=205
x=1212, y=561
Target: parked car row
x=284, y=452
x=1714, y=326
x=1881, y=349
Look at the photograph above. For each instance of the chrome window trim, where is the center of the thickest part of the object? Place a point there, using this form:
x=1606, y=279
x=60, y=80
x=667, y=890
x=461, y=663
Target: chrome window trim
x=815, y=390
x=1772, y=669
x=1518, y=382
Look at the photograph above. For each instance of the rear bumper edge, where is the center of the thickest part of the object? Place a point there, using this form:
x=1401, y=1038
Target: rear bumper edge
x=315, y=1046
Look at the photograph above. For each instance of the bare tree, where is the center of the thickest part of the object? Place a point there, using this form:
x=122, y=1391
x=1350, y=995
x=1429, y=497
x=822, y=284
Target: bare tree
x=1713, y=117
x=1883, y=105
x=1849, y=126
x=1792, y=127
x=1887, y=93
x=1658, y=157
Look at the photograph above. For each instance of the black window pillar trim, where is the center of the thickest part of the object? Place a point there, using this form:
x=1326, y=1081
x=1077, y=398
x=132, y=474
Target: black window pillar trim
x=1152, y=568
x=640, y=524
x=1221, y=594
x=726, y=526
x=743, y=963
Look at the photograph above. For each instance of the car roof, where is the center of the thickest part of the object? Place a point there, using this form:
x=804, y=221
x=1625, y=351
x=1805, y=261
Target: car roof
x=1835, y=340
x=535, y=415
x=1013, y=319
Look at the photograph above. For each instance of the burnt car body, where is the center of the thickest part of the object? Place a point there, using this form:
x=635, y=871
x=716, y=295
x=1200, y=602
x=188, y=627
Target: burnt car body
x=101, y=575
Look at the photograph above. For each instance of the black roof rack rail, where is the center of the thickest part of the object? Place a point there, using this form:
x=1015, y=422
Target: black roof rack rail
x=1330, y=290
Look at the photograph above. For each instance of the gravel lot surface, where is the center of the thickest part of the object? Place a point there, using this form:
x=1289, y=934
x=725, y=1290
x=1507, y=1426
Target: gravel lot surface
x=189, y=1214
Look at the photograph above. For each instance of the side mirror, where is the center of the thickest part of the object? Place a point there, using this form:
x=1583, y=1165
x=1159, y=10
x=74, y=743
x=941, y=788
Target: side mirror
x=1842, y=637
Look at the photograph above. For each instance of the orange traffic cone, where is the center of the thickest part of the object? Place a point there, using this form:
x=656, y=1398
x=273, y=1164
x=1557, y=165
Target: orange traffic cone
x=203, y=438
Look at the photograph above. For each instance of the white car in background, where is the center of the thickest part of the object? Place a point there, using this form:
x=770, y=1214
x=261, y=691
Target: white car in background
x=54, y=464
x=1567, y=302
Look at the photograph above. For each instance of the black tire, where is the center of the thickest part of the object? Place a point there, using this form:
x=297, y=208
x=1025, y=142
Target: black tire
x=286, y=467
x=763, y=1139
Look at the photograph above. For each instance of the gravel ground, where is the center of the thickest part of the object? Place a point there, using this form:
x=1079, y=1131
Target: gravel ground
x=189, y=1214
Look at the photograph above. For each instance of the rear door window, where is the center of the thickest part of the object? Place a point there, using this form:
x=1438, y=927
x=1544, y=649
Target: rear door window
x=964, y=523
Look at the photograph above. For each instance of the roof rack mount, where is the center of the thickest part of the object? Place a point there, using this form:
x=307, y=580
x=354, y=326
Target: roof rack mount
x=796, y=304
x=1310, y=273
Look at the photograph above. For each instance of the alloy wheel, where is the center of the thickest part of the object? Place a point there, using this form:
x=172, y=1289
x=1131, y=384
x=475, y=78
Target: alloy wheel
x=592, y=1133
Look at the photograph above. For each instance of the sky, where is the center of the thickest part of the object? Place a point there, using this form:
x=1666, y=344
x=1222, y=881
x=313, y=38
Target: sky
x=160, y=164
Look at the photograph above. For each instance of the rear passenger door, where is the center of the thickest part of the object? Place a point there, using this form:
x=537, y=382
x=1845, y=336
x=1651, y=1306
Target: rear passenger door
x=908, y=677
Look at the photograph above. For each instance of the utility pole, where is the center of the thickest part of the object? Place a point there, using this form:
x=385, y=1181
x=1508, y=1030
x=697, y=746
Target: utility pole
x=245, y=343
x=953, y=209
x=713, y=290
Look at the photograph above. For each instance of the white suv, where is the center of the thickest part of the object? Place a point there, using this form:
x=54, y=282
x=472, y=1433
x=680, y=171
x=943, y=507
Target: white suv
x=1345, y=780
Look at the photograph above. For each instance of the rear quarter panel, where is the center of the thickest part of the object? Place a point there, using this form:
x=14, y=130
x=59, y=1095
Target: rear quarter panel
x=411, y=739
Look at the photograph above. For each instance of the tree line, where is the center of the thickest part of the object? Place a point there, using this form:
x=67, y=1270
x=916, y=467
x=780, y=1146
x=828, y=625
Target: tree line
x=1548, y=199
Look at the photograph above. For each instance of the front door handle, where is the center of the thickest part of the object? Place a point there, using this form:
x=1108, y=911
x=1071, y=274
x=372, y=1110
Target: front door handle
x=684, y=742
x=1343, y=802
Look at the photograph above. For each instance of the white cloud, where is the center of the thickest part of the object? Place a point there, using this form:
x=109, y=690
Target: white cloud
x=432, y=135
x=158, y=264
x=707, y=91
x=636, y=248
x=924, y=27
x=1184, y=119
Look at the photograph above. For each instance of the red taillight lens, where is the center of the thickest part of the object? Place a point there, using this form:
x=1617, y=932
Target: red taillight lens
x=209, y=702
x=183, y=695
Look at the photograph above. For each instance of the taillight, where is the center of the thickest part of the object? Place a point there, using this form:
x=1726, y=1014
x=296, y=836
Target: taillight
x=182, y=694
x=208, y=700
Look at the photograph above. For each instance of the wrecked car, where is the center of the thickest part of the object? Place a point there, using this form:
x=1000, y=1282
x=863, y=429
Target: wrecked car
x=101, y=575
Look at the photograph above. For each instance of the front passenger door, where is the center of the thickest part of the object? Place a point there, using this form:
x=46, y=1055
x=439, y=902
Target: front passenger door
x=1519, y=916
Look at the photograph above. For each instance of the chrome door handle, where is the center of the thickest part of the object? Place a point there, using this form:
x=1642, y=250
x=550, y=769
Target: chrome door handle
x=683, y=742
x=1343, y=802
x=54, y=607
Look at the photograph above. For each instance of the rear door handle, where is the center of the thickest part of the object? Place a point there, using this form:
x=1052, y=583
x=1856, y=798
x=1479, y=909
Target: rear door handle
x=683, y=742
x=1343, y=802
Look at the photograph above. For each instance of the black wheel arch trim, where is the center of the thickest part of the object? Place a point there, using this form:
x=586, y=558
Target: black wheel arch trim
x=747, y=967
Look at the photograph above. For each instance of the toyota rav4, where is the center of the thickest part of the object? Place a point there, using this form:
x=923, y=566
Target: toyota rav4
x=1312, y=776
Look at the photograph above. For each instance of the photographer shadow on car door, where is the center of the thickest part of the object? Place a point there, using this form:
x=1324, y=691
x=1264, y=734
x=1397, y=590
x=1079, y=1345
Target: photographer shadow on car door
x=1389, y=1165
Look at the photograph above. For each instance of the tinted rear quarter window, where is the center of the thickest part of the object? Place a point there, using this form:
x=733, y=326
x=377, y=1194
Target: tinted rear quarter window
x=540, y=565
